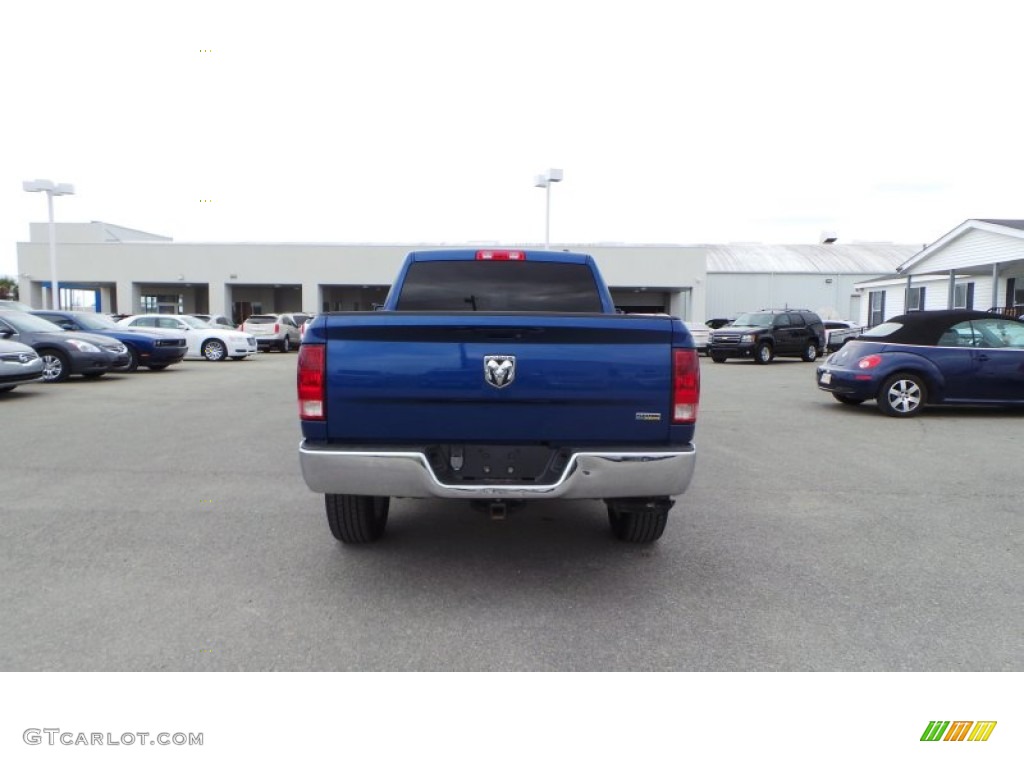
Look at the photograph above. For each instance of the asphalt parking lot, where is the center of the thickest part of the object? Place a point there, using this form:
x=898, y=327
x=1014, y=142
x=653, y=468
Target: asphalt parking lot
x=159, y=521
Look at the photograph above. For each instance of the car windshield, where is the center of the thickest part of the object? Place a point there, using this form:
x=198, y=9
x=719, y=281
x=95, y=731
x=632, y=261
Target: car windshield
x=759, y=319
x=23, y=322
x=194, y=322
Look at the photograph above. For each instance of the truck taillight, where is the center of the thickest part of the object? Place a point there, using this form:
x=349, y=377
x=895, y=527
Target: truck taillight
x=311, y=380
x=685, y=386
x=500, y=256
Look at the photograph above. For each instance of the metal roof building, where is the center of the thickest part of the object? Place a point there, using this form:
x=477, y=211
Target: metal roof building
x=131, y=271
x=748, y=276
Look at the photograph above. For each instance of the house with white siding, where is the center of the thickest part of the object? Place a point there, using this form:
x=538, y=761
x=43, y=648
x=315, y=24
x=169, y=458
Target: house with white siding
x=978, y=265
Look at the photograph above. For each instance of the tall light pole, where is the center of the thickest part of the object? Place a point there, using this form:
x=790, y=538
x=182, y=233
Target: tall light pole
x=546, y=180
x=51, y=189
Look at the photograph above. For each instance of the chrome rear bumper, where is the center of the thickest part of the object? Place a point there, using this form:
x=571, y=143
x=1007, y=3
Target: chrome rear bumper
x=588, y=475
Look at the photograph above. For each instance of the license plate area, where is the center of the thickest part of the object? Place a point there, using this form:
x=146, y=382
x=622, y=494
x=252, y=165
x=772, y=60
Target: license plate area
x=497, y=464
x=826, y=378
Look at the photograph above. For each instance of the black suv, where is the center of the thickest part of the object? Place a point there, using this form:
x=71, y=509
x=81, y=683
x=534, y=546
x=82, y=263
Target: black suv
x=768, y=334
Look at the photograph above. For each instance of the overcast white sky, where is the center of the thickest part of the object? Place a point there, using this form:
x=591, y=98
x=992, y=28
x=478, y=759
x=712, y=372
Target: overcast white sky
x=402, y=121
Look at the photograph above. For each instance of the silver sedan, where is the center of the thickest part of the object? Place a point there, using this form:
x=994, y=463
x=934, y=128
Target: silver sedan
x=19, y=364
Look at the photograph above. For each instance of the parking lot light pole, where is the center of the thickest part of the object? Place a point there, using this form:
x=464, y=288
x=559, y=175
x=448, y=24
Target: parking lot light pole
x=51, y=189
x=546, y=180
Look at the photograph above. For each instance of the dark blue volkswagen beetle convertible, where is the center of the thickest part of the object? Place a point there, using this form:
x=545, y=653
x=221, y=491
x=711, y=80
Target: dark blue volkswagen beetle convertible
x=950, y=357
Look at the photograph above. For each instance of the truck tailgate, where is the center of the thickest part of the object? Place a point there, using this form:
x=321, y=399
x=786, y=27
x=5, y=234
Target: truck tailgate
x=566, y=379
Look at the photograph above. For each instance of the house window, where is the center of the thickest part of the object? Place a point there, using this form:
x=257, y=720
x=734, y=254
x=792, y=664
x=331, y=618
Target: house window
x=876, y=307
x=915, y=298
x=963, y=296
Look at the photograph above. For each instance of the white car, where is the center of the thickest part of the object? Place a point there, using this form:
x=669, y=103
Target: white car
x=701, y=335
x=838, y=332
x=204, y=340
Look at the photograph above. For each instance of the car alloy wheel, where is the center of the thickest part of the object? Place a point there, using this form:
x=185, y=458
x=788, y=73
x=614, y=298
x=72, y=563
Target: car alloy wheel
x=213, y=349
x=764, y=353
x=55, y=366
x=811, y=353
x=901, y=395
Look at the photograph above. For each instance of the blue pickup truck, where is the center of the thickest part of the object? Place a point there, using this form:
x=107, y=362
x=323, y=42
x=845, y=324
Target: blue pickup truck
x=497, y=377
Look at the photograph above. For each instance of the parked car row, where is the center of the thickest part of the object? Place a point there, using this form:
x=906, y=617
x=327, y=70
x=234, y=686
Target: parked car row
x=272, y=331
x=202, y=339
x=152, y=350
x=66, y=343
x=937, y=357
x=64, y=353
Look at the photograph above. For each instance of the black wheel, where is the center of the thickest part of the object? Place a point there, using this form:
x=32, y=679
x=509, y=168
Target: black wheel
x=847, y=400
x=157, y=366
x=638, y=521
x=902, y=395
x=718, y=358
x=133, y=360
x=56, y=366
x=810, y=352
x=764, y=353
x=286, y=345
x=356, y=519
x=214, y=349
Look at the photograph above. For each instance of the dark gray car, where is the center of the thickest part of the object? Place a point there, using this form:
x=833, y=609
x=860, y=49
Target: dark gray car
x=64, y=353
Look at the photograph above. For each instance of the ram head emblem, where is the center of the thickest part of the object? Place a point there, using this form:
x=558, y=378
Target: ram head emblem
x=499, y=370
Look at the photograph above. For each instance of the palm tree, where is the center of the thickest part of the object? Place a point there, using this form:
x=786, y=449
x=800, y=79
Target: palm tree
x=8, y=288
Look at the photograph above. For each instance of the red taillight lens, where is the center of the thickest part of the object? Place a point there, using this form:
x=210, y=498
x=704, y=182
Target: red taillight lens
x=311, y=378
x=685, y=386
x=500, y=256
x=868, y=362
x=277, y=328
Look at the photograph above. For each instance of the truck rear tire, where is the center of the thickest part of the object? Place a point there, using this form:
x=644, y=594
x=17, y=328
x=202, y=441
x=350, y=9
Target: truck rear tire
x=638, y=521
x=356, y=519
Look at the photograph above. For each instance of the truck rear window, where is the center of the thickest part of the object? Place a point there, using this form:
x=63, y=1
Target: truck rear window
x=499, y=286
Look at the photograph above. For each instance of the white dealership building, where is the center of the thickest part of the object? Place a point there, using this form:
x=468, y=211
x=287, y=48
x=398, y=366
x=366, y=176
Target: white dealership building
x=127, y=271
